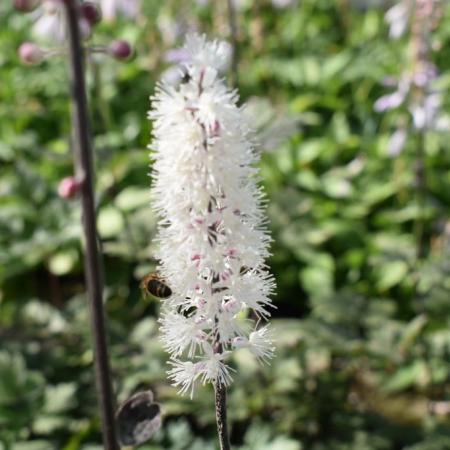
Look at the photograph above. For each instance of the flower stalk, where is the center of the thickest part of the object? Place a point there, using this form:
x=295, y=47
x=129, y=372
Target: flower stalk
x=416, y=92
x=420, y=47
x=84, y=172
x=220, y=391
x=212, y=237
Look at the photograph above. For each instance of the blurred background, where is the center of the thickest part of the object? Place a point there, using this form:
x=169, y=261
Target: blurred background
x=348, y=99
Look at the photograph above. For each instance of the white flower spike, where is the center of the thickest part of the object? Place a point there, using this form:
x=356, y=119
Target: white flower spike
x=212, y=237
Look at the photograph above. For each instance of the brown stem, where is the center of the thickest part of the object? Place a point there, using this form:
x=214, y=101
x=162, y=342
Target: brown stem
x=83, y=163
x=221, y=415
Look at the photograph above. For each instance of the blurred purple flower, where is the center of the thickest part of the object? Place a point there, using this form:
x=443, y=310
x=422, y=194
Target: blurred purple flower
x=397, y=142
x=50, y=22
x=425, y=75
x=397, y=17
x=425, y=114
x=177, y=56
x=396, y=98
x=112, y=8
x=389, y=101
x=172, y=76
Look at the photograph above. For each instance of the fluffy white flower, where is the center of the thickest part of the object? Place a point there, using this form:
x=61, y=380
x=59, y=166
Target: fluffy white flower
x=259, y=343
x=184, y=374
x=212, y=368
x=204, y=55
x=212, y=237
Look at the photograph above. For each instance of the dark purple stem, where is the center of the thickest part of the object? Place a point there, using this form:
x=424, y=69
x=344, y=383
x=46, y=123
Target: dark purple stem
x=221, y=415
x=83, y=163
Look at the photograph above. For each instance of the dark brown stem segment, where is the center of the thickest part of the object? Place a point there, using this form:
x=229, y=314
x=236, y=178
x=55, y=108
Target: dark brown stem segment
x=83, y=163
x=221, y=415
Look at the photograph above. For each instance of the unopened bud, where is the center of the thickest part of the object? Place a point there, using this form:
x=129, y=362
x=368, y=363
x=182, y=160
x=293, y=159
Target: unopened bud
x=231, y=305
x=68, y=187
x=200, y=302
x=120, y=49
x=91, y=13
x=30, y=53
x=25, y=5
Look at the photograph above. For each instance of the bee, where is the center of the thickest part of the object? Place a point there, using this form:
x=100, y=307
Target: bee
x=138, y=418
x=153, y=284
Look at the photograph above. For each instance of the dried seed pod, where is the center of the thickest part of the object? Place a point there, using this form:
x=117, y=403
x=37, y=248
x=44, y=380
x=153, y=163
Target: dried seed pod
x=138, y=419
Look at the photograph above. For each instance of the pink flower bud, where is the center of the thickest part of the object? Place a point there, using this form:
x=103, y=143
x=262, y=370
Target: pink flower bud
x=25, y=5
x=91, y=13
x=120, y=49
x=30, y=53
x=231, y=305
x=196, y=258
x=198, y=289
x=200, y=302
x=68, y=187
x=232, y=252
x=215, y=129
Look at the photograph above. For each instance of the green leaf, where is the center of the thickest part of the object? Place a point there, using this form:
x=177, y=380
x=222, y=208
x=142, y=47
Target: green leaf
x=110, y=222
x=63, y=262
x=391, y=274
x=405, y=377
x=132, y=198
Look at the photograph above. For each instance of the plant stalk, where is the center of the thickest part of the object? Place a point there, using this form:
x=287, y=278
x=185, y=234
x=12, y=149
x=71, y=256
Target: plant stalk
x=421, y=191
x=221, y=415
x=84, y=171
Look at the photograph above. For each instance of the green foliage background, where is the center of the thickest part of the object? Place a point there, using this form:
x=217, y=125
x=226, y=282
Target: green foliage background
x=363, y=339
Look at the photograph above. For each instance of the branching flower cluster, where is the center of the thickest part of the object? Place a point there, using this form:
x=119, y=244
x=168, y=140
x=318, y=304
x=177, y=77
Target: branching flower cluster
x=212, y=236
x=50, y=25
x=415, y=88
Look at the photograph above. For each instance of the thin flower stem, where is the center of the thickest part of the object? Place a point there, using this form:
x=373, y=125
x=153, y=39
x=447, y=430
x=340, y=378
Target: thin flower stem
x=220, y=401
x=420, y=46
x=233, y=37
x=221, y=415
x=83, y=162
x=421, y=191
